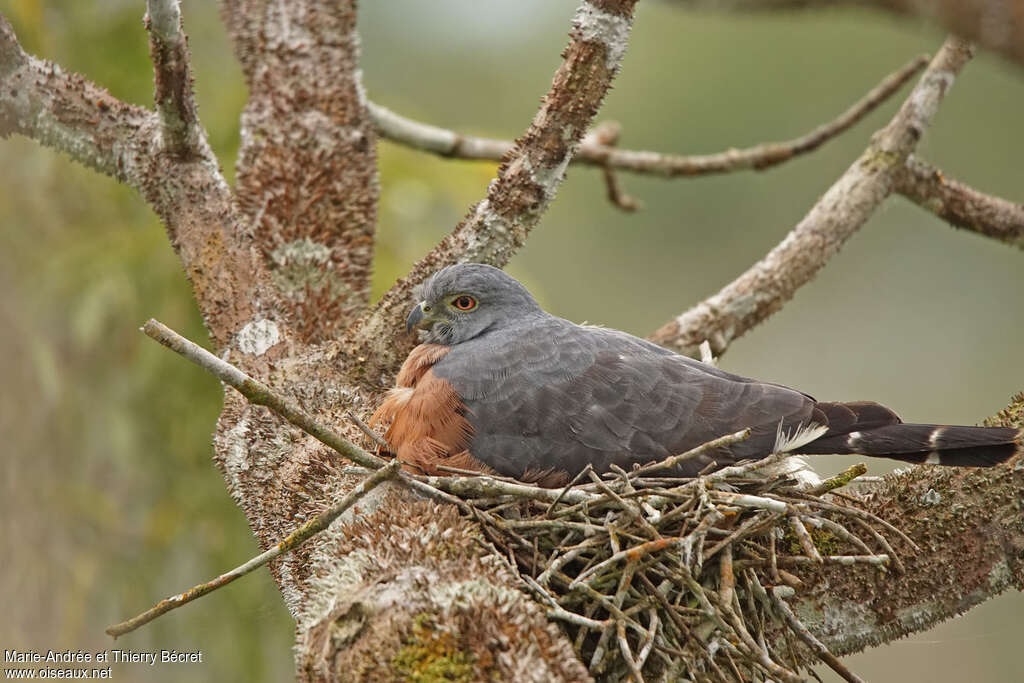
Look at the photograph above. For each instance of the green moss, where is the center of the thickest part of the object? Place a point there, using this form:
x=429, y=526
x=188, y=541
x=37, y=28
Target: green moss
x=825, y=541
x=431, y=655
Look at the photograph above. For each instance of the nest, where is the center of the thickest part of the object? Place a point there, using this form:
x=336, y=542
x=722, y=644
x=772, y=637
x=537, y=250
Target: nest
x=662, y=577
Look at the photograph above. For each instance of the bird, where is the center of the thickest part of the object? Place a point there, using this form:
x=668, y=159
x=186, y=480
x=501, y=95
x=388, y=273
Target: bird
x=500, y=386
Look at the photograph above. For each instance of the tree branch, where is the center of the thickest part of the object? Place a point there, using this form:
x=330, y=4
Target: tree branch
x=526, y=183
x=426, y=137
x=998, y=26
x=175, y=101
x=960, y=205
x=307, y=165
x=842, y=210
x=972, y=513
x=68, y=113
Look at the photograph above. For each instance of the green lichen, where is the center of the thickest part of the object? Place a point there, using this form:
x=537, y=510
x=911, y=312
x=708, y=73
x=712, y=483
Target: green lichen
x=429, y=655
x=825, y=541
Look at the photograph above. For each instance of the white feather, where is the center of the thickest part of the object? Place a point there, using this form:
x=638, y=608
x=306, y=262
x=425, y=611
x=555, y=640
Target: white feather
x=796, y=466
x=801, y=436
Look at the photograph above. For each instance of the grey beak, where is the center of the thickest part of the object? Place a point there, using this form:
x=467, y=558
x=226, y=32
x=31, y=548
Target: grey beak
x=415, y=317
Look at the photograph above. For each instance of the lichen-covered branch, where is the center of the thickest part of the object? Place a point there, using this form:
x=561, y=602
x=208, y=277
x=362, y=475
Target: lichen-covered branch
x=842, y=210
x=997, y=26
x=528, y=179
x=69, y=113
x=307, y=169
x=592, y=151
x=175, y=101
x=961, y=205
x=64, y=111
x=970, y=514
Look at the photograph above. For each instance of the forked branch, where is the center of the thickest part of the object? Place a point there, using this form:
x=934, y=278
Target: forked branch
x=845, y=207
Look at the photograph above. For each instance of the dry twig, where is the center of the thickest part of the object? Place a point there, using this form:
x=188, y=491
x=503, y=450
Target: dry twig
x=293, y=540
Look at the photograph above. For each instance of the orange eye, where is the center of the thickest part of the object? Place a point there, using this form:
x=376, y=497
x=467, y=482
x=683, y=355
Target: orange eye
x=464, y=303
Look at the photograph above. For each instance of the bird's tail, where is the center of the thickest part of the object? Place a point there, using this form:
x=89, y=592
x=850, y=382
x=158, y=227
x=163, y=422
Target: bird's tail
x=871, y=429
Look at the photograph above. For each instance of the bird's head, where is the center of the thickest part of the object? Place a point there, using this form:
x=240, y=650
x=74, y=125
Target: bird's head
x=463, y=301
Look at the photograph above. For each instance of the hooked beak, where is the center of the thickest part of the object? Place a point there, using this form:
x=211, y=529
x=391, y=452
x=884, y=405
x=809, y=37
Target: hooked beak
x=416, y=318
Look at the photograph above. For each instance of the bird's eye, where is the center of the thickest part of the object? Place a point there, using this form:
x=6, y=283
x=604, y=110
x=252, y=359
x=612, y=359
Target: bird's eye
x=464, y=302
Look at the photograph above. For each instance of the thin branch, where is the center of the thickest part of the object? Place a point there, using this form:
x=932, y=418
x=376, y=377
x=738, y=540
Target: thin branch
x=292, y=541
x=607, y=134
x=175, y=101
x=845, y=207
x=365, y=429
x=703, y=449
x=961, y=206
x=527, y=181
x=595, y=152
x=260, y=394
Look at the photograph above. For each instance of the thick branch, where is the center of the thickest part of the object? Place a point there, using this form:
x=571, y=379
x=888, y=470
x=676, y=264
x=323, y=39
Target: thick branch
x=307, y=166
x=968, y=524
x=175, y=101
x=998, y=26
x=844, y=208
x=527, y=181
x=960, y=205
x=592, y=152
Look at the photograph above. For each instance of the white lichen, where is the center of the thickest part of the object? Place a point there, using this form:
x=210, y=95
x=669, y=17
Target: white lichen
x=258, y=336
x=609, y=29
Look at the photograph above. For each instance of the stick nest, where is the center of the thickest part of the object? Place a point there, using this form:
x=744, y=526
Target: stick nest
x=661, y=577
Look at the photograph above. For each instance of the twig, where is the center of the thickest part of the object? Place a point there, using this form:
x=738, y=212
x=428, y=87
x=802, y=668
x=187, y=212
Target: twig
x=727, y=579
x=260, y=394
x=806, y=542
x=572, y=482
x=366, y=429
x=448, y=143
x=767, y=285
x=816, y=645
x=960, y=205
x=720, y=442
x=881, y=560
x=607, y=134
x=838, y=481
x=631, y=554
x=484, y=486
x=627, y=653
x=748, y=528
x=292, y=541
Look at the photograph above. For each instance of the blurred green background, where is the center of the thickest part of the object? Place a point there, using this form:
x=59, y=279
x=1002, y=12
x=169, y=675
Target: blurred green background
x=108, y=497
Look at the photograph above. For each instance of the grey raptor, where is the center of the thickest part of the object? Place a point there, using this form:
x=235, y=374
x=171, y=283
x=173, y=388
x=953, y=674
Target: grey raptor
x=501, y=385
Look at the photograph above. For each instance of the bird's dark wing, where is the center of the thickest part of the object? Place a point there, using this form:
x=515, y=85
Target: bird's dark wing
x=552, y=395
